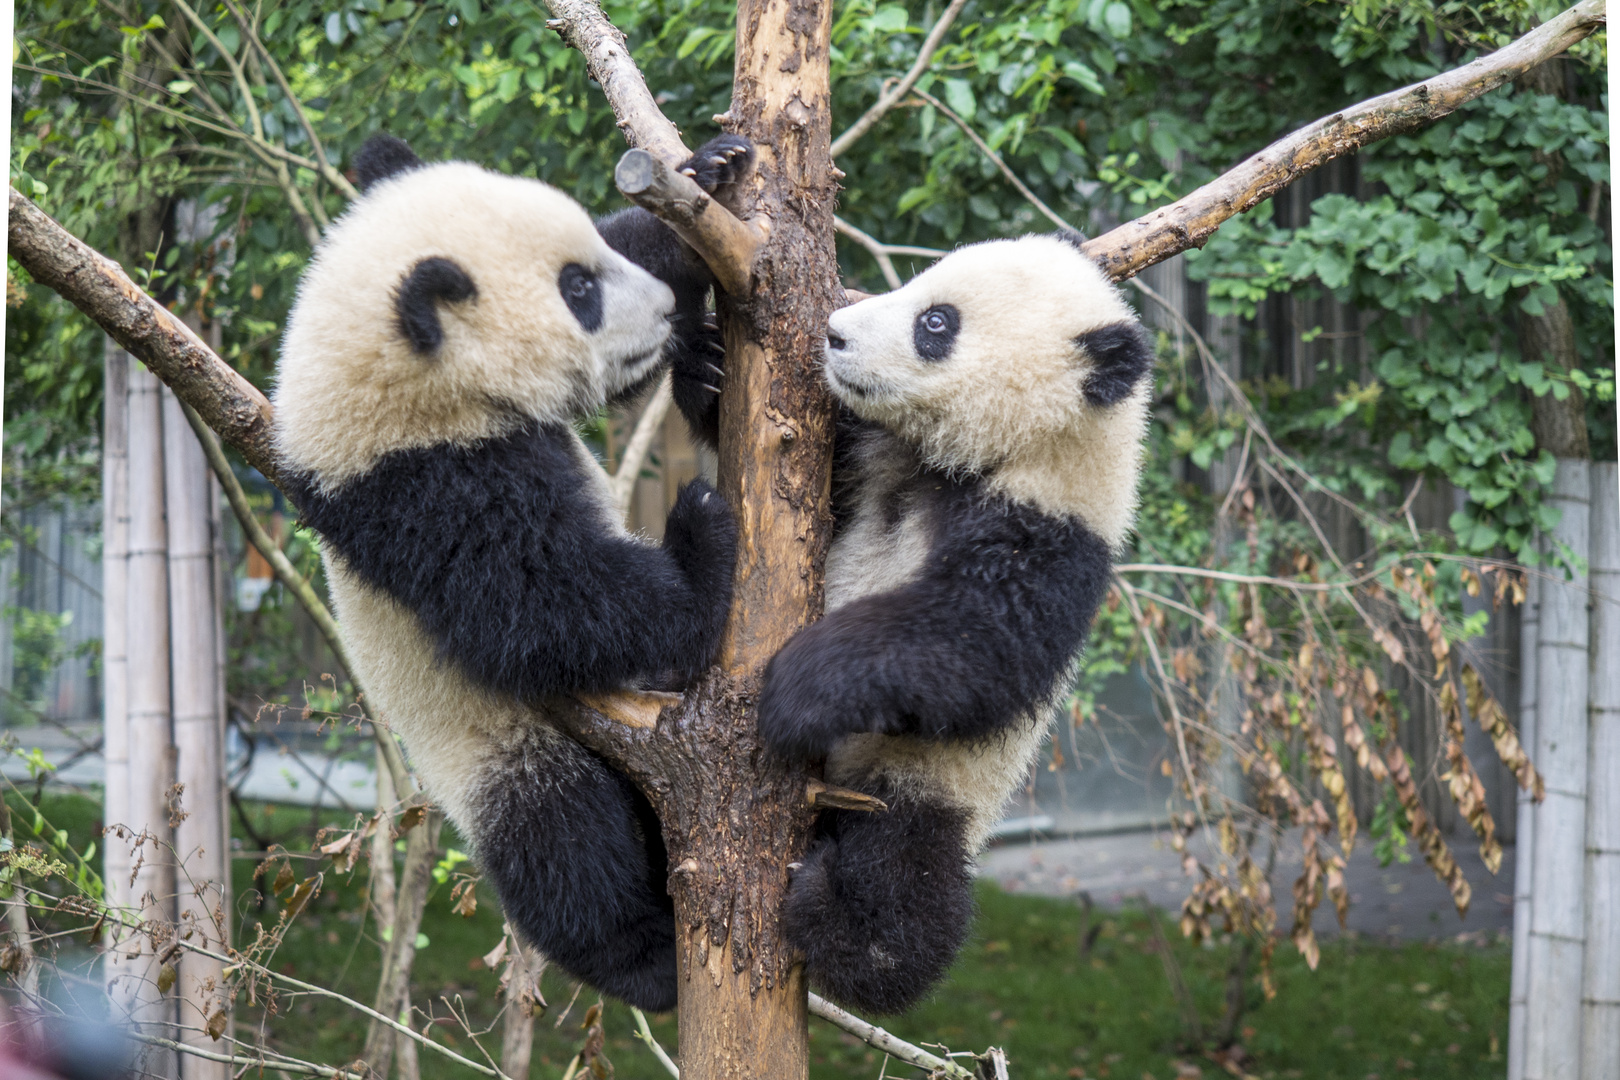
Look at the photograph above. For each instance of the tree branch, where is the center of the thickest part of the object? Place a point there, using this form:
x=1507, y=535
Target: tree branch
x=607, y=57
x=1189, y=222
x=881, y=251
x=892, y=95
x=726, y=243
x=98, y=286
x=874, y=1036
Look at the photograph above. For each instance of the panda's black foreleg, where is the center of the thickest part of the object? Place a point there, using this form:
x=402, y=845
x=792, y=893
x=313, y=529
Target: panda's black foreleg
x=883, y=902
x=574, y=851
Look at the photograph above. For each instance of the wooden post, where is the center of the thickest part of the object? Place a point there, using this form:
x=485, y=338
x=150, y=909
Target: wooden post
x=115, y=860
x=1524, y=832
x=151, y=750
x=1558, y=911
x=1600, y=1035
x=201, y=836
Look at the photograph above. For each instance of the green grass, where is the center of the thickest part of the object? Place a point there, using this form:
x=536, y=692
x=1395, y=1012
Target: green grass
x=1419, y=1010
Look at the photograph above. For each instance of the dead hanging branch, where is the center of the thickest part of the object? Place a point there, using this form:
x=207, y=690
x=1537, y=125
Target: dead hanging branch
x=98, y=286
x=1189, y=222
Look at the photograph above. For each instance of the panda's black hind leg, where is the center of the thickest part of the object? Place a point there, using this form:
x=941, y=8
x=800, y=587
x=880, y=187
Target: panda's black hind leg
x=882, y=903
x=575, y=854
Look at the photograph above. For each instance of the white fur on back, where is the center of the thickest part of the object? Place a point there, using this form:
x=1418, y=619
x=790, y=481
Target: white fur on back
x=349, y=387
x=453, y=729
x=1007, y=402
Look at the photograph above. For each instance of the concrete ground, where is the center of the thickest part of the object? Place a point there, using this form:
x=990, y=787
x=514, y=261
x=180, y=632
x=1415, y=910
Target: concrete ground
x=1400, y=901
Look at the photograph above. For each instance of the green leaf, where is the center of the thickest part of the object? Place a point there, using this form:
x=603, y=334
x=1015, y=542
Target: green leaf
x=959, y=96
x=1117, y=18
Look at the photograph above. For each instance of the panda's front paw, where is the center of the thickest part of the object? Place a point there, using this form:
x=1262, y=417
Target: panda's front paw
x=802, y=712
x=720, y=161
x=702, y=534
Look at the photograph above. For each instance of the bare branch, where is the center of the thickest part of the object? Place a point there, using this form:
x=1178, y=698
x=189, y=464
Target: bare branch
x=607, y=57
x=324, y=166
x=623, y=483
x=298, y=585
x=279, y=1064
x=891, y=95
x=821, y=794
x=726, y=243
x=1190, y=221
x=984, y=147
x=644, y=1033
x=874, y=1036
x=98, y=286
x=879, y=250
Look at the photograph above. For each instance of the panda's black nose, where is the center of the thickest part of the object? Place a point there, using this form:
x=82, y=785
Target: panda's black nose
x=834, y=341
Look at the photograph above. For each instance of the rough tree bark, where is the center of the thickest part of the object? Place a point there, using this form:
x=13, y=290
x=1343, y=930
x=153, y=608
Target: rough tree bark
x=734, y=816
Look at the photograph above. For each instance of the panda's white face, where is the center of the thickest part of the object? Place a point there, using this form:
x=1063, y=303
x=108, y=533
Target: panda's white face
x=448, y=303
x=991, y=361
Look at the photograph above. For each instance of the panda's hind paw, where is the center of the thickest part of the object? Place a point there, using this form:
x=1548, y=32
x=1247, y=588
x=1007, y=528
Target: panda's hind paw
x=720, y=161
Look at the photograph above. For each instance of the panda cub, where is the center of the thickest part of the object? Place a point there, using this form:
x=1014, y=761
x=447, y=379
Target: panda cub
x=993, y=412
x=449, y=330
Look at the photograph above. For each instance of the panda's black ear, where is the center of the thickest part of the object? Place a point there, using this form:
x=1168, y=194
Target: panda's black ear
x=1120, y=357
x=382, y=156
x=416, y=302
x=1071, y=236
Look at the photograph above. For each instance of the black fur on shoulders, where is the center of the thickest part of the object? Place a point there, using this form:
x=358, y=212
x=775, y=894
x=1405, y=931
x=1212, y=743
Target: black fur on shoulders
x=977, y=639
x=576, y=855
x=416, y=300
x=883, y=902
x=381, y=157
x=1121, y=356
x=503, y=550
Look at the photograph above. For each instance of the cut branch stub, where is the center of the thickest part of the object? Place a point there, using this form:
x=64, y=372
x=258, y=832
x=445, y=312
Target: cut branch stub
x=1191, y=221
x=98, y=286
x=726, y=243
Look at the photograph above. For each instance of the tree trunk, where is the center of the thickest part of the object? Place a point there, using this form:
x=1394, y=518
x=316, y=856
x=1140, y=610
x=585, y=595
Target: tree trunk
x=522, y=990
x=1600, y=1036
x=202, y=855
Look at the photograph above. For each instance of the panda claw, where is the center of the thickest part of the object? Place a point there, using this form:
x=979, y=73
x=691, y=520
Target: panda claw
x=689, y=171
x=720, y=371
x=717, y=160
x=711, y=389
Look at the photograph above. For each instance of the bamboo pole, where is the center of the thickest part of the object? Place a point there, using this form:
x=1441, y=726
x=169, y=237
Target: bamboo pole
x=201, y=835
x=1558, y=910
x=1600, y=1005
x=151, y=750
x=114, y=587
x=1524, y=833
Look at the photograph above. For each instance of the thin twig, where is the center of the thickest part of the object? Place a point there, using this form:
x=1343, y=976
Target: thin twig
x=890, y=96
x=878, y=249
x=623, y=482
x=327, y=172
x=644, y=1033
x=290, y=1065
x=984, y=148
x=874, y=1036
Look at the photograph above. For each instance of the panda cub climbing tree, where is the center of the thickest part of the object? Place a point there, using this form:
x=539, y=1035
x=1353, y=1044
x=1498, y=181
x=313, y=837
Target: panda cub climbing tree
x=450, y=328
x=992, y=414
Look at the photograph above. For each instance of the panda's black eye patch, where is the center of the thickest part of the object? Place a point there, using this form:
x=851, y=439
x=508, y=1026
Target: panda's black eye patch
x=430, y=281
x=935, y=332
x=583, y=295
